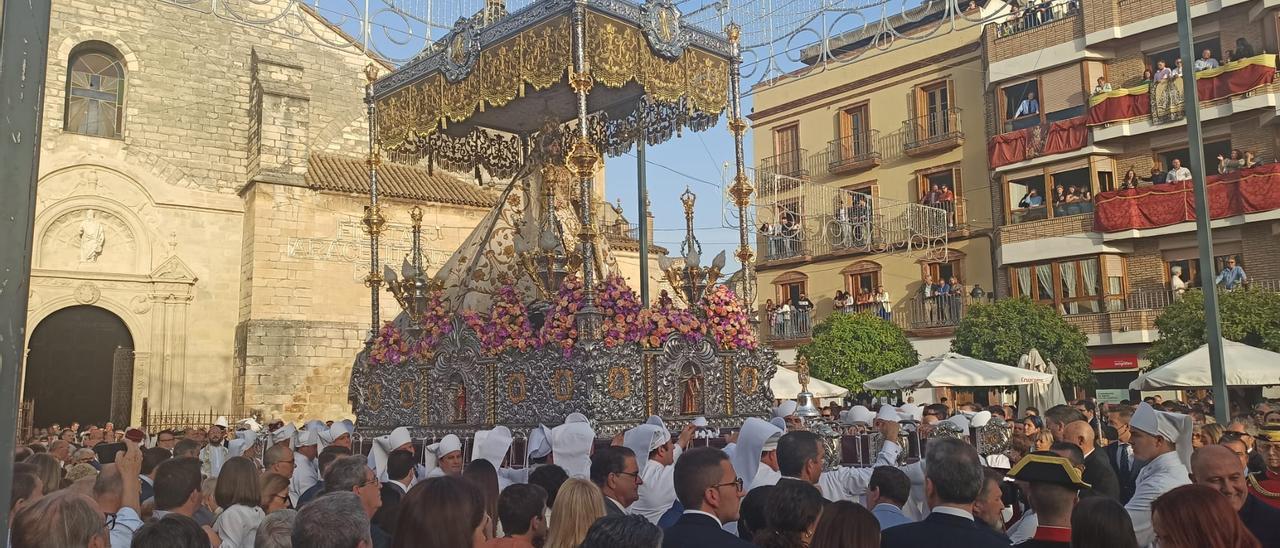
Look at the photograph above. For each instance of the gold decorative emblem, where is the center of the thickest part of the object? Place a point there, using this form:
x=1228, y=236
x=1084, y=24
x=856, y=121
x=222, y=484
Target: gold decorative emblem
x=375, y=397
x=406, y=395
x=562, y=384
x=619, y=383
x=516, y=391
x=749, y=380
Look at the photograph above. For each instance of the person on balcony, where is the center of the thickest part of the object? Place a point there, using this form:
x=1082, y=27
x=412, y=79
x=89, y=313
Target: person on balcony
x=977, y=293
x=790, y=236
x=1176, y=284
x=1029, y=106
x=947, y=201
x=1177, y=172
x=1158, y=174
x=1177, y=68
x=784, y=328
x=885, y=310
x=955, y=298
x=1103, y=86
x=803, y=310
x=1232, y=276
x=1235, y=163
x=1244, y=50
x=841, y=302
x=1031, y=199
x=1249, y=160
x=1059, y=200
x=771, y=315
x=1130, y=180
x=1147, y=77
x=1162, y=72
x=1206, y=61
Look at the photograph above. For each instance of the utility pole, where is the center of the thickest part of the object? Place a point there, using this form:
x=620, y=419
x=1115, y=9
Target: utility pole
x=1204, y=234
x=642, y=196
x=24, y=49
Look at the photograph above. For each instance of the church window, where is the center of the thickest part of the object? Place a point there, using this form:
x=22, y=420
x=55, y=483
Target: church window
x=95, y=91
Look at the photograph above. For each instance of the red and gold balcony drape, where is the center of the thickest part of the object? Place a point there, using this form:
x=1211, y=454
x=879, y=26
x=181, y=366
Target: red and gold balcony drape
x=1233, y=78
x=1041, y=140
x=1247, y=191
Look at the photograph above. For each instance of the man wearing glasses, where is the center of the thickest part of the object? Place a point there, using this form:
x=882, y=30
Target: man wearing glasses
x=1266, y=484
x=711, y=494
x=615, y=471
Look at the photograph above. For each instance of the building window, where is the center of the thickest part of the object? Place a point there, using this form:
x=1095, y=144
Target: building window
x=1073, y=286
x=1057, y=191
x=1021, y=104
x=940, y=188
x=790, y=286
x=1027, y=199
x=1170, y=56
x=854, y=130
x=1164, y=159
x=95, y=91
x=934, y=105
x=786, y=149
x=1187, y=262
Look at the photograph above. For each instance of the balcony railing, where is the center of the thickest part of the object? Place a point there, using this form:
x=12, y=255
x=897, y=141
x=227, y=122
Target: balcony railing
x=1146, y=207
x=1036, y=15
x=788, y=326
x=853, y=153
x=790, y=163
x=936, y=131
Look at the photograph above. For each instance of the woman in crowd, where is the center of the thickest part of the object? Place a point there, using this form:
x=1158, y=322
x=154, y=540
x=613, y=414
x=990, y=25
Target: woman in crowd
x=484, y=476
x=208, y=488
x=1130, y=179
x=1211, y=433
x=1042, y=440
x=1101, y=522
x=846, y=525
x=578, y=505
x=239, y=494
x=64, y=519
x=275, y=492
x=443, y=512
x=751, y=512
x=791, y=515
x=1032, y=425
x=623, y=532
x=1019, y=446
x=1196, y=516
x=49, y=470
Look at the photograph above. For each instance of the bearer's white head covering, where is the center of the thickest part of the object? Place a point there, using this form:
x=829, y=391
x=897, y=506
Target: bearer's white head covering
x=911, y=411
x=251, y=424
x=961, y=421
x=382, y=448
x=1175, y=428
x=539, y=442
x=221, y=421
x=492, y=445
x=980, y=419
x=780, y=422
x=752, y=439
x=307, y=437
x=785, y=409
x=331, y=434
x=858, y=414
x=285, y=433
x=643, y=439
x=571, y=445
x=431, y=457
x=656, y=421
x=244, y=439
x=888, y=413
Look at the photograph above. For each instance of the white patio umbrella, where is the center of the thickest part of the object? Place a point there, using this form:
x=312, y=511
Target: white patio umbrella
x=1040, y=396
x=786, y=386
x=953, y=369
x=1244, y=364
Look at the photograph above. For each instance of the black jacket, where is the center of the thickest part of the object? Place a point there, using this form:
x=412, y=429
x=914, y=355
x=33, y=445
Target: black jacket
x=1262, y=520
x=942, y=530
x=1127, y=482
x=1099, y=473
x=387, y=515
x=699, y=531
x=612, y=509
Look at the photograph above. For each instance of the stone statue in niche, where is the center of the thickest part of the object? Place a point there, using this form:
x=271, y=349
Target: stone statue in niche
x=92, y=236
x=690, y=390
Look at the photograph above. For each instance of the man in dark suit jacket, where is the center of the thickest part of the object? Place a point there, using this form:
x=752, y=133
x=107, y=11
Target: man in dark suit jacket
x=151, y=458
x=1120, y=452
x=711, y=492
x=400, y=470
x=953, y=479
x=1218, y=467
x=1097, y=468
x=615, y=471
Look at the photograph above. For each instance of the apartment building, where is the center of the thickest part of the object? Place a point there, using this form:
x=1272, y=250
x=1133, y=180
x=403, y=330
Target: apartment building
x=1070, y=113
x=871, y=178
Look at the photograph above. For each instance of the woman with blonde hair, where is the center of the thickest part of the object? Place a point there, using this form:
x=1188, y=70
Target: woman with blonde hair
x=49, y=470
x=578, y=505
x=275, y=492
x=1042, y=441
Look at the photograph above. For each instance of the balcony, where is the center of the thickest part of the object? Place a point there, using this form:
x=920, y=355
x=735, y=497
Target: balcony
x=1235, y=87
x=788, y=164
x=934, y=132
x=861, y=226
x=1037, y=16
x=853, y=153
x=793, y=327
x=1244, y=192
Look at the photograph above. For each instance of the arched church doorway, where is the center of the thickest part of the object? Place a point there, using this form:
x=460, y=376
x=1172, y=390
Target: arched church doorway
x=80, y=368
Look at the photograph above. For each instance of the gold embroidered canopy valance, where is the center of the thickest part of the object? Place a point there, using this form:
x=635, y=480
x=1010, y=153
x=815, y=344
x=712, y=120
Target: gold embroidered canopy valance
x=513, y=74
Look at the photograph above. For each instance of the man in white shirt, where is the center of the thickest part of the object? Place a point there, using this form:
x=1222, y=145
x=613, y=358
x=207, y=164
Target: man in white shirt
x=117, y=493
x=1163, y=440
x=215, y=452
x=1030, y=105
x=1206, y=61
x=656, y=455
x=801, y=456
x=306, y=472
x=1178, y=173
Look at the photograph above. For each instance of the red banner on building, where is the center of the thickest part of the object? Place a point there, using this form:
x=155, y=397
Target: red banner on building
x=1234, y=78
x=1042, y=140
x=1114, y=362
x=1244, y=191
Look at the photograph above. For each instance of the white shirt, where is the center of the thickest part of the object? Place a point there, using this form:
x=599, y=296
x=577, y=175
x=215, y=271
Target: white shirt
x=849, y=483
x=658, y=492
x=609, y=500
x=1178, y=174
x=127, y=523
x=764, y=476
x=1025, y=528
x=1158, y=477
x=211, y=459
x=952, y=512
x=238, y=525
x=1205, y=64
x=305, y=474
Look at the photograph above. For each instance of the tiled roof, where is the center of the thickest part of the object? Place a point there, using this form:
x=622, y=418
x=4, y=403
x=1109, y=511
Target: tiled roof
x=627, y=243
x=347, y=174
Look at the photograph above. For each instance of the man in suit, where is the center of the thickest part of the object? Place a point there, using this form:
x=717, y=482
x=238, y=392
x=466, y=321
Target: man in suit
x=151, y=458
x=401, y=469
x=615, y=471
x=953, y=478
x=1120, y=453
x=1097, y=468
x=351, y=474
x=887, y=491
x=711, y=493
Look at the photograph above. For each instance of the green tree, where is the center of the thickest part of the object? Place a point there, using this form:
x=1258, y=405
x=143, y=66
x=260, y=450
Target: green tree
x=850, y=349
x=1003, y=331
x=1249, y=316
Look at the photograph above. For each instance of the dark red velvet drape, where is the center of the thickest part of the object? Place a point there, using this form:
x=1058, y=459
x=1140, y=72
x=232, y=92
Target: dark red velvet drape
x=1247, y=191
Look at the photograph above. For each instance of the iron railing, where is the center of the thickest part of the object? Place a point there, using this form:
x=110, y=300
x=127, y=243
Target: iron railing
x=788, y=326
x=851, y=150
x=1035, y=16
x=790, y=163
x=936, y=127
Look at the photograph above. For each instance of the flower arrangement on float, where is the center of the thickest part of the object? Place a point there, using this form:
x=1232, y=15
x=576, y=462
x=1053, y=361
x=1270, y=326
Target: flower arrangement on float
x=622, y=312
x=507, y=326
x=559, y=328
x=726, y=321
x=390, y=346
x=436, y=323
x=664, y=319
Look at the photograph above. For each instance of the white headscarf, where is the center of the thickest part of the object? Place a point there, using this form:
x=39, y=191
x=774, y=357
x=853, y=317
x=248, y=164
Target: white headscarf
x=1175, y=428
x=492, y=445
x=571, y=445
x=331, y=434
x=539, y=442
x=780, y=422
x=785, y=409
x=306, y=437
x=858, y=414
x=431, y=457
x=382, y=448
x=752, y=438
x=244, y=440
x=643, y=439
x=288, y=432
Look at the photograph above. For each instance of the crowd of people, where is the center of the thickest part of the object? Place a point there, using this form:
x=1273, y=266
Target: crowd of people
x=1155, y=474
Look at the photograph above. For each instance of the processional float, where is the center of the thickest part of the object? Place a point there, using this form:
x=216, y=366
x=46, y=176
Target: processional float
x=529, y=320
